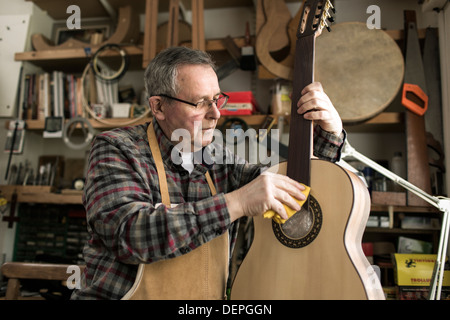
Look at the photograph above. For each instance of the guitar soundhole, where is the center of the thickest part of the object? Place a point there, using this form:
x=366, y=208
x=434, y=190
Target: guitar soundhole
x=302, y=228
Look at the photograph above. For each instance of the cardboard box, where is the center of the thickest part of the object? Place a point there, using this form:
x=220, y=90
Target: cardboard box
x=424, y=223
x=408, y=245
x=388, y=198
x=120, y=110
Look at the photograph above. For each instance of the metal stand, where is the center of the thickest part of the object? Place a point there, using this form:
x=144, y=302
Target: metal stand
x=441, y=203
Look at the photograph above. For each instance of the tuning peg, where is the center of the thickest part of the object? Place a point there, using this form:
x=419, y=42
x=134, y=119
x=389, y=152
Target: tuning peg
x=329, y=5
x=331, y=19
x=325, y=24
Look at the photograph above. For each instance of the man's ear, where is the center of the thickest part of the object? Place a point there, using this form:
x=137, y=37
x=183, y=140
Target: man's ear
x=156, y=106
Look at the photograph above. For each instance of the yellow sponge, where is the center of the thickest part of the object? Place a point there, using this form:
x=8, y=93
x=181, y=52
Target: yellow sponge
x=270, y=214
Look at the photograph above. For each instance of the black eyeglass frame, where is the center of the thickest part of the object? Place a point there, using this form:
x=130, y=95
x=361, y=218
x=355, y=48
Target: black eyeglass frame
x=196, y=105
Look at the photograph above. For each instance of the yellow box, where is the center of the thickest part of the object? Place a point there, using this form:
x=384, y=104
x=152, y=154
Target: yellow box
x=416, y=270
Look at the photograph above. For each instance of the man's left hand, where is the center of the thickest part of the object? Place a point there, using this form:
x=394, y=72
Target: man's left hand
x=316, y=105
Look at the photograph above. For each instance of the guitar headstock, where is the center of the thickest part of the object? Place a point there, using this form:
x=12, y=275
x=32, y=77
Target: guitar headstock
x=315, y=17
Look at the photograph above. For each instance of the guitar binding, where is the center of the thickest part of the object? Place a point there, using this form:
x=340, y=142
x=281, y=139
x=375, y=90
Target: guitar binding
x=296, y=241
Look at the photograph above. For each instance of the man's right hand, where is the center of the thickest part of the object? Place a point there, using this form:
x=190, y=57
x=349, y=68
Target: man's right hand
x=267, y=192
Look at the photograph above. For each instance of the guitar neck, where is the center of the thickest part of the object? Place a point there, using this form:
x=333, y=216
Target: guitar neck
x=300, y=134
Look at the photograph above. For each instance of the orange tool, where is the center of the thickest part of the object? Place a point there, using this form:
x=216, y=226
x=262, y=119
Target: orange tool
x=414, y=97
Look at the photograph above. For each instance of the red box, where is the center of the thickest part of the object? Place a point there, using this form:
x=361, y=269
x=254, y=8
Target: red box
x=240, y=103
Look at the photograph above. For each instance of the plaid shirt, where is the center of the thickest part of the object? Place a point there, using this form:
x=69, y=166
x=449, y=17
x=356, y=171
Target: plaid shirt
x=125, y=226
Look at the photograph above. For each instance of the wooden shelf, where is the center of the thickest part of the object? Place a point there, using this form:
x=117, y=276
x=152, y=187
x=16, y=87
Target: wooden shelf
x=75, y=60
x=390, y=120
x=401, y=231
x=38, y=125
x=39, y=194
x=403, y=209
x=384, y=122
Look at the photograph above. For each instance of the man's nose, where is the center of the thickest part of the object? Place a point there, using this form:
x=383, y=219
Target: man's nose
x=213, y=111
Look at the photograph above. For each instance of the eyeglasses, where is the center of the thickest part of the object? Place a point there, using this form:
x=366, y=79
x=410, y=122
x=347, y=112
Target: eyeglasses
x=220, y=101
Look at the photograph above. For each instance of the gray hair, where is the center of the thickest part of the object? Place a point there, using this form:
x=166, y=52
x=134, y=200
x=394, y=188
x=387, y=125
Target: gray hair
x=160, y=77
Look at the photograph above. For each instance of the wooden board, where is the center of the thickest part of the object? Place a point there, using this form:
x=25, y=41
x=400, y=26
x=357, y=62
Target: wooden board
x=13, y=34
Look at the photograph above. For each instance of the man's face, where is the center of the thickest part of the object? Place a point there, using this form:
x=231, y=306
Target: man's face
x=196, y=83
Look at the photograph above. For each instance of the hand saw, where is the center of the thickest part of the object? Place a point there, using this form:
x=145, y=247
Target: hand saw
x=414, y=95
x=416, y=102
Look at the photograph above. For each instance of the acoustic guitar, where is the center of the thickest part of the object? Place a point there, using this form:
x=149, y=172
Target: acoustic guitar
x=317, y=253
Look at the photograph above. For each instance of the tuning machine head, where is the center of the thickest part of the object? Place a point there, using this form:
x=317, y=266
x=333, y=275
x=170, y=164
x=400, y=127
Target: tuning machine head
x=317, y=15
x=327, y=18
x=323, y=16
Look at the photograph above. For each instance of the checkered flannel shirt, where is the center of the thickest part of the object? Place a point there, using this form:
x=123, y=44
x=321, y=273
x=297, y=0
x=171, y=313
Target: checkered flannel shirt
x=120, y=198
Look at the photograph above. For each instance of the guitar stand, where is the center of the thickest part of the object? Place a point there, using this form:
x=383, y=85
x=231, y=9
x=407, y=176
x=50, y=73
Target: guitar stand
x=441, y=203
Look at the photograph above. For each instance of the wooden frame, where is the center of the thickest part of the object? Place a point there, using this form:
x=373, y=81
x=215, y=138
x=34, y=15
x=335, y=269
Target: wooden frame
x=151, y=27
x=198, y=25
x=15, y=271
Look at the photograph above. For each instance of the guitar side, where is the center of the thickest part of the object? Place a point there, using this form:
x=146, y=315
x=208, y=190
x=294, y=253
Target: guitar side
x=331, y=267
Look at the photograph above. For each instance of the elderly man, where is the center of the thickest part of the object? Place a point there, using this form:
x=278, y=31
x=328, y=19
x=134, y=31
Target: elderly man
x=180, y=219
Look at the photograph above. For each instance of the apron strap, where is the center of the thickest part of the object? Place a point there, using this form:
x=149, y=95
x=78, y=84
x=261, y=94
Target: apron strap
x=156, y=152
x=211, y=184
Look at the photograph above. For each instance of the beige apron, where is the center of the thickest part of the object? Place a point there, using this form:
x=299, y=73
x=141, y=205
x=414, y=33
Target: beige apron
x=198, y=275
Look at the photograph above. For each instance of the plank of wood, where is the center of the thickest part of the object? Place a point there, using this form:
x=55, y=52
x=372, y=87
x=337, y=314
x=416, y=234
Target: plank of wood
x=198, y=25
x=174, y=14
x=151, y=27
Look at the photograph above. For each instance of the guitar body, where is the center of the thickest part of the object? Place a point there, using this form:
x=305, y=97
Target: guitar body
x=331, y=266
